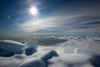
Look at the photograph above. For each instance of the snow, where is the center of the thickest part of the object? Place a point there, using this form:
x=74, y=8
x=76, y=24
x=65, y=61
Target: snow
x=9, y=48
x=75, y=52
x=14, y=42
x=32, y=48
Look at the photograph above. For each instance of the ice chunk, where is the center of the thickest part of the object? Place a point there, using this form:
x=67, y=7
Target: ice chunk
x=9, y=48
x=32, y=48
x=49, y=55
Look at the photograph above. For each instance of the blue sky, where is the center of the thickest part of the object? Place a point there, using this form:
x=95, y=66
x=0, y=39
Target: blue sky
x=55, y=16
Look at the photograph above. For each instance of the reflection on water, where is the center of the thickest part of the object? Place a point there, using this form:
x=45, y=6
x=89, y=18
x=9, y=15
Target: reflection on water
x=31, y=37
x=39, y=40
x=45, y=41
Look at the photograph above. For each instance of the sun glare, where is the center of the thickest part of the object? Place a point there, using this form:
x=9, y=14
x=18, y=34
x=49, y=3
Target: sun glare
x=34, y=11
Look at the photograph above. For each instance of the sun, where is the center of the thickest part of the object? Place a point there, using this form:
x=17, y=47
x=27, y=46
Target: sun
x=34, y=11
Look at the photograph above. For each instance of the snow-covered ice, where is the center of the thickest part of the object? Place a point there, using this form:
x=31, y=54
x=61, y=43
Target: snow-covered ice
x=75, y=52
x=9, y=48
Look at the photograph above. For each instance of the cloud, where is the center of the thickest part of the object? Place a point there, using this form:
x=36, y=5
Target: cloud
x=32, y=25
x=82, y=19
x=60, y=23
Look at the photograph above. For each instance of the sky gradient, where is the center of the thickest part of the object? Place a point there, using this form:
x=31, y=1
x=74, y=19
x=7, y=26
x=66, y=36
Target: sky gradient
x=55, y=16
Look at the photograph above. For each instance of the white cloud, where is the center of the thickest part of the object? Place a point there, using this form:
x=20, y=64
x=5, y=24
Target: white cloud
x=66, y=21
x=60, y=23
